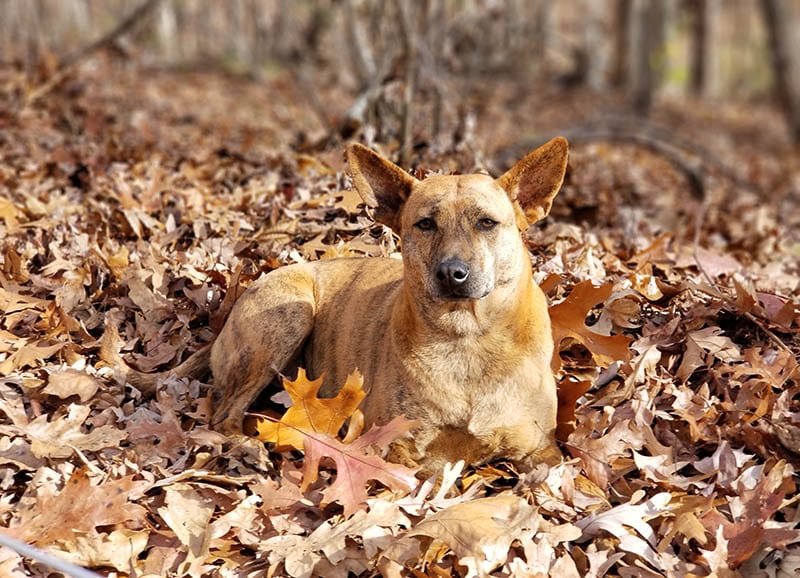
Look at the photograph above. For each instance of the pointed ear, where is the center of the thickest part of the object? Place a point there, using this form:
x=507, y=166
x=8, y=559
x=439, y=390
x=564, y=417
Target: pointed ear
x=534, y=181
x=382, y=184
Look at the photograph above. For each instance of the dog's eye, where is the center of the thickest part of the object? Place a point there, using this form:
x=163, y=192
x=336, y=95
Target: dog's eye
x=426, y=224
x=486, y=224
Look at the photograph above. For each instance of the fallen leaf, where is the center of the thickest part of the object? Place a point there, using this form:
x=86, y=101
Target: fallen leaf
x=115, y=549
x=63, y=435
x=68, y=382
x=621, y=520
x=29, y=354
x=479, y=532
x=646, y=283
x=570, y=391
x=568, y=319
x=310, y=413
x=716, y=264
x=10, y=214
x=80, y=507
x=188, y=513
x=358, y=463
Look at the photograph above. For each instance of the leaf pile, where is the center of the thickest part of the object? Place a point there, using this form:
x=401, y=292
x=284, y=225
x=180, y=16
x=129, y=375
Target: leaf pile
x=149, y=207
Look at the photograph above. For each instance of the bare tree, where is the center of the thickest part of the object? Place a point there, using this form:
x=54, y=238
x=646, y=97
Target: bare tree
x=640, y=71
x=779, y=21
x=409, y=35
x=698, y=45
x=622, y=33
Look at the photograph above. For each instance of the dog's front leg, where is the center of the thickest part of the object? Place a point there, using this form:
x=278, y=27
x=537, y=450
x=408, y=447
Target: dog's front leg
x=263, y=334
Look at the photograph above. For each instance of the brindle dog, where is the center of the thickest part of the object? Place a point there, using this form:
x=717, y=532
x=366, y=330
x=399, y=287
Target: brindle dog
x=456, y=335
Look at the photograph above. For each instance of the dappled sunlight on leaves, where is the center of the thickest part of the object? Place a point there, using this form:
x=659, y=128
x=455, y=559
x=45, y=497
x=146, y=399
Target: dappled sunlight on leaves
x=677, y=361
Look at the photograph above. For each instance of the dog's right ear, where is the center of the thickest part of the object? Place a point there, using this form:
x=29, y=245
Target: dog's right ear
x=382, y=184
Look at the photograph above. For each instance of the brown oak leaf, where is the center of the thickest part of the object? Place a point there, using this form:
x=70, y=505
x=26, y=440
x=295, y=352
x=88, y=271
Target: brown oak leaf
x=568, y=320
x=80, y=508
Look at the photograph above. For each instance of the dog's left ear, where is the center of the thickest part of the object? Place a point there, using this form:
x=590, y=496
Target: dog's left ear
x=382, y=184
x=534, y=181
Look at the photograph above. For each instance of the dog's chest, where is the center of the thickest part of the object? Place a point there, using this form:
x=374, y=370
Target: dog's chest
x=466, y=377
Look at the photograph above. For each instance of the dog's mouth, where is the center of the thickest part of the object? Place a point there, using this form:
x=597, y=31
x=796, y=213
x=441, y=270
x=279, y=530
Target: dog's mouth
x=462, y=294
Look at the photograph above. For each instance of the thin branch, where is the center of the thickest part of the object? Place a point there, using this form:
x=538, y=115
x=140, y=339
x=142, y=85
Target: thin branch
x=46, y=558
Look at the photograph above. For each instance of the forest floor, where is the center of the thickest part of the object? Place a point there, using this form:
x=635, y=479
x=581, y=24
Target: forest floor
x=142, y=201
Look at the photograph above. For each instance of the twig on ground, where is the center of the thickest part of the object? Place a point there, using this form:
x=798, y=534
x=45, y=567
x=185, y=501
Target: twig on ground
x=46, y=558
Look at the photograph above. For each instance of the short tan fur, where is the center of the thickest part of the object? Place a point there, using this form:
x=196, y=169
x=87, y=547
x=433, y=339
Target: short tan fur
x=456, y=335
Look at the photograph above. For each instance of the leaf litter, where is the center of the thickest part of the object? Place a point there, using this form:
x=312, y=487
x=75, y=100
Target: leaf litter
x=679, y=384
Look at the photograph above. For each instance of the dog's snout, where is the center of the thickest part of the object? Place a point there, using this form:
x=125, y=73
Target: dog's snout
x=452, y=273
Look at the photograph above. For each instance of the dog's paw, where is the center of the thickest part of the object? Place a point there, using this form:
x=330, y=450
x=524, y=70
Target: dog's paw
x=405, y=453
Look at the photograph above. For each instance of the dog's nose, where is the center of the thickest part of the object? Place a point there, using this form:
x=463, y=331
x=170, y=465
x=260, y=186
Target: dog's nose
x=452, y=273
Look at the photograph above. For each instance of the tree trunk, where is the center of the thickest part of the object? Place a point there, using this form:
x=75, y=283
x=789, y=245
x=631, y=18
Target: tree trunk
x=778, y=17
x=698, y=47
x=361, y=56
x=622, y=32
x=641, y=72
x=409, y=37
x=658, y=16
x=596, y=53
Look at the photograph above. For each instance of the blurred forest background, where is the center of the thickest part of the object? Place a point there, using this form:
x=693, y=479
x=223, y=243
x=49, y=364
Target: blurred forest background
x=157, y=156
x=420, y=71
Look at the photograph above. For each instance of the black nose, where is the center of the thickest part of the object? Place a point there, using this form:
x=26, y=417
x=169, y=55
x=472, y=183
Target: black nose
x=452, y=273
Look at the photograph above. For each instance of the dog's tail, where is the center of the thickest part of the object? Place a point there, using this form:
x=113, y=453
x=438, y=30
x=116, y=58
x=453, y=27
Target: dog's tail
x=195, y=366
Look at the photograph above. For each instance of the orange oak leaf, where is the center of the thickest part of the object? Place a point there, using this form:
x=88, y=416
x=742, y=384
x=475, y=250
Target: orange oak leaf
x=568, y=320
x=310, y=413
x=358, y=463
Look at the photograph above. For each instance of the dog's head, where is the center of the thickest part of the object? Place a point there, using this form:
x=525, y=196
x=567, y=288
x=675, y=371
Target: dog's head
x=460, y=234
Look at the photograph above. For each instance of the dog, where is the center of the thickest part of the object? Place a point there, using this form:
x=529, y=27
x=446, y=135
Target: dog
x=456, y=335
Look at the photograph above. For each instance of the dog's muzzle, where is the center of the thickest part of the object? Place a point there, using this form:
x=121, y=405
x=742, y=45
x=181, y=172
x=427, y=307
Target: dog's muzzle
x=454, y=281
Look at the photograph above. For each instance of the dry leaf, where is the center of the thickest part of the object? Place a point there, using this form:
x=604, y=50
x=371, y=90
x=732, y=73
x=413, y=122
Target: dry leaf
x=29, y=354
x=67, y=382
x=357, y=463
x=60, y=437
x=310, y=413
x=80, y=507
x=569, y=321
x=188, y=513
x=569, y=391
x=479, y=532
x=10, y=214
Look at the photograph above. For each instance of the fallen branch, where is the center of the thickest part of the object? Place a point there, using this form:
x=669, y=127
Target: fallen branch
x=73, y=60
x=46, y=558
x=688, y=157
